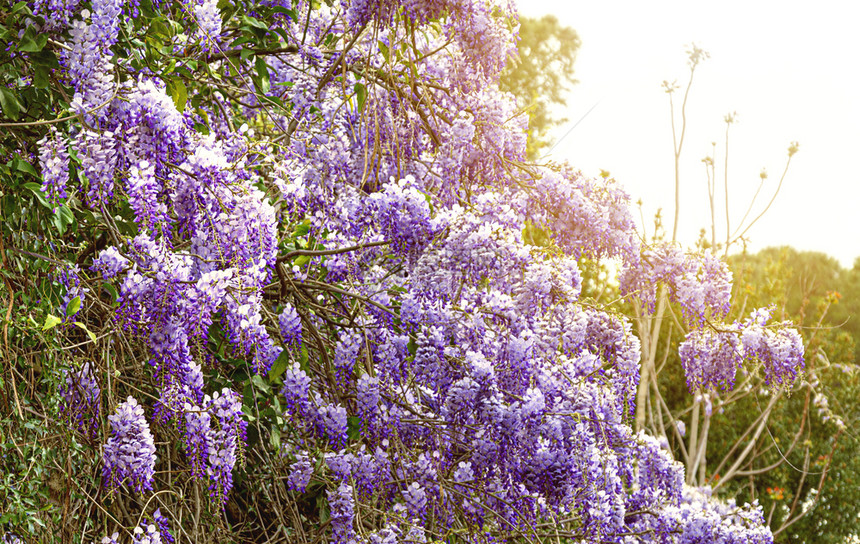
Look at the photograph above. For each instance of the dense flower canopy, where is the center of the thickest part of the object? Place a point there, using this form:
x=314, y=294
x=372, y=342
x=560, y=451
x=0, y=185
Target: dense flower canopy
x=337, y=204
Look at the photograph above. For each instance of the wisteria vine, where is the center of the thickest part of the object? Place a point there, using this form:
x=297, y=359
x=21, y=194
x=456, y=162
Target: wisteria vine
x=346, y=220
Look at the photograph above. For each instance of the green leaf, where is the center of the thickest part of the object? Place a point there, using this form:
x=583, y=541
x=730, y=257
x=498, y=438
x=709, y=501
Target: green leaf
x=384, y=50
x=33, y=44
x=179, y=94
x=241, y=41
x=86, y=330
x=22, y=7
x=303, y=228
x=258, y=382
x=36, y=188
x=24, y=166
x=361, y=95
x=303, y=352
x=73, y=307
x=278, y=367
x=63, y=218
x=50, y=322
x=288, y=12
x=113, y=292
x=41, y=77
x=255, y=23
x=45, y=58
x=9, y=103
x=276, y=438
x=262, y=75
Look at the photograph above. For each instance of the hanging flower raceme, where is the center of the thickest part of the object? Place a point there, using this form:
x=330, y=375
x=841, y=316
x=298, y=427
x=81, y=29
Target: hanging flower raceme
x=778, y=347
x=699, y=283
x=54, y=163
x=82, y=400
x=129, y=455
x=711, y=358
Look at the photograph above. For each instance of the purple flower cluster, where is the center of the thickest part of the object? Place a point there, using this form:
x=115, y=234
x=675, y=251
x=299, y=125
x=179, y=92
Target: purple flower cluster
x=142, y=534
x=170, y=297
x=346, y=354
x=711, y=358
x=699, y=282
x=143, y=190
x=57, y=13
x=163, y=525
x=403, y=214
x=779, y=348
x=110, y=263
x=703, y=518
x=342, y=508
x=82, y=400
x=149, y=535
x=89, y=59
x=208, y=24
x=454, y=375
x=98, y=154
x=129, y=455
x=215, y=432
x=70, y=278
x=54, y=163
x=301, y=472
x=290, y=325
x=587, y=217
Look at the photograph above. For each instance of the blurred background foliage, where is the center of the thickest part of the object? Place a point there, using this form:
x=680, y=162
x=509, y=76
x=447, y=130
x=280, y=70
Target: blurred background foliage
x=540, y=77
x=803, y=467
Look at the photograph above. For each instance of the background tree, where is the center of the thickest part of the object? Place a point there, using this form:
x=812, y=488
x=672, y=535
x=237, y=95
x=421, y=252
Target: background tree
x=540, y=75
x=743, y=451
x=812, y=452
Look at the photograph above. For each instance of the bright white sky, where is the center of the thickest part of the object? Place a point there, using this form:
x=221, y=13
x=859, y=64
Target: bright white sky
x=790, y=69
